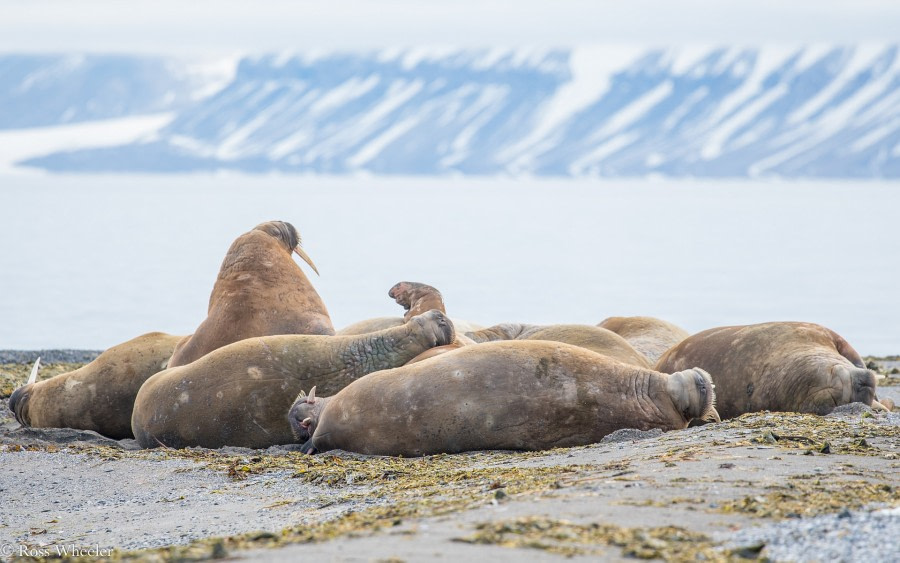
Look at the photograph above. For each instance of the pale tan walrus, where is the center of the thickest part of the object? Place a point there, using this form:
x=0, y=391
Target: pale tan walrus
x=599, y=340
x=239, y=395
x=260, y=291
x=649, y=336
x=98, y=396
x=519, y=395
x=780, y=366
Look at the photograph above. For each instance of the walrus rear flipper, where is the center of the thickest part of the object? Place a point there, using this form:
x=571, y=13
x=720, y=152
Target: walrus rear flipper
x=845, y=349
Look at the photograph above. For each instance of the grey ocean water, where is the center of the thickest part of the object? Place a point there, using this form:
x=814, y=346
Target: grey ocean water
x=91, y=261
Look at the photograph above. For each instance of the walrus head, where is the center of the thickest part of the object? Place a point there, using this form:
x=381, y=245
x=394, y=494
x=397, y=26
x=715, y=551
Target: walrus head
x=416, y=298
x=694, y=394
x=844, y=384
x=289, y=237
x=304, y=415
x=18, y=401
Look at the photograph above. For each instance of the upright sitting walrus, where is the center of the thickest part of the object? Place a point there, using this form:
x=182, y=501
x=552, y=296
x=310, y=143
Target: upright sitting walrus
x=239, y=395
x=599, y=340
x=501, y=395
x=649, y=336
x=98, y=396
x=260, y=291
x=780, y=366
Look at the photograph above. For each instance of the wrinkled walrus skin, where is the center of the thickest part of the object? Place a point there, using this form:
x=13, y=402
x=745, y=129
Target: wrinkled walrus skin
x=98, y=396
x=780, y=366
x=649, y=336
x=520, y=395
x=599, y=340
x=260, y=291
x=239, y=395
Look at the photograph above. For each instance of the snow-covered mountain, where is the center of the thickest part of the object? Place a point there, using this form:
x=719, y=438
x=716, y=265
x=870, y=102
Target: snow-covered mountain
x=811, y=111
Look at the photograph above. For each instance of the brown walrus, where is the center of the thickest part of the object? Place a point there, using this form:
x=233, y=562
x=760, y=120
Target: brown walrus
x=649, y=336
x=599, y=340
x=779, y=366
x=520, y=395
x=239, y=395
x=98, y=396
x=260, y=291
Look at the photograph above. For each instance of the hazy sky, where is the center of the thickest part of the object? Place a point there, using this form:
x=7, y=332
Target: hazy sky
x=225, y=26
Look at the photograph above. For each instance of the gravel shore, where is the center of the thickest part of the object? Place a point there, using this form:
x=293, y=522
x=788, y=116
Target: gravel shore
x=780, y=485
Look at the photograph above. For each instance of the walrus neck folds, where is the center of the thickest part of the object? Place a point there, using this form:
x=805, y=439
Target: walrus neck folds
x=693, y=394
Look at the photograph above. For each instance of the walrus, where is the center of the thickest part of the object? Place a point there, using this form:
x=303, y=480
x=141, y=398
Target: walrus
x=416, y=298
x=260, y=291
x=240, y=394
x=593, y=338
x=517, y=395
x=778, y=366
x=649, y=336
x=98, y=396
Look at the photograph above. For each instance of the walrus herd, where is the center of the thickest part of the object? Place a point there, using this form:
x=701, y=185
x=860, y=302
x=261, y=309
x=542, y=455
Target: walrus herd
x=266, y=367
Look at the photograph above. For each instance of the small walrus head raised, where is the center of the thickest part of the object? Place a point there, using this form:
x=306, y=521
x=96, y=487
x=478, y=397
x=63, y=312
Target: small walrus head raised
x=289, y=237
x=304, y=415
x=416, y=298
x=693, y=394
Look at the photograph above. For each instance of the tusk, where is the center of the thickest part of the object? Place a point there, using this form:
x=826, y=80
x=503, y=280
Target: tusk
x=302, y=254
x=306, y=422
x=712, y=415
x=34, y=371
x=312, y=395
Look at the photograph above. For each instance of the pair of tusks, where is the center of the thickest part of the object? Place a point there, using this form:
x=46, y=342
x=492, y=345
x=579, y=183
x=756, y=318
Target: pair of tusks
x=34, y=371
x=302, y=254
x=311, y=398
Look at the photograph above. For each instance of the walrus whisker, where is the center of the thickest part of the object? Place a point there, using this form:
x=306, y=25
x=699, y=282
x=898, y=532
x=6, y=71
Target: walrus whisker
x=34, y=371
x=302, y=254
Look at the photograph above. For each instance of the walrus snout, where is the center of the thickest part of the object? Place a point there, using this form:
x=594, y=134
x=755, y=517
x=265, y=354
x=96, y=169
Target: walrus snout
x=303, y=415
x=693, y=393
x=400, y=294
x=18, y=403
x=862, y=385
x=436, y=326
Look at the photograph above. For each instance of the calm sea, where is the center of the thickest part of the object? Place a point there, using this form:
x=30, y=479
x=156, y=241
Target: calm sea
x=91, y=261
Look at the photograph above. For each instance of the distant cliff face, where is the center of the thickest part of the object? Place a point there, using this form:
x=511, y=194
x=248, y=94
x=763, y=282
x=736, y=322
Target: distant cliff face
x=814, y=111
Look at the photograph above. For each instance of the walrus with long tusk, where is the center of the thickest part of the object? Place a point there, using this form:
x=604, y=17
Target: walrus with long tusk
x=649, y=336
x=260, y=291
x=778, y=366
x=596, y=339
x=519, y=395
x=98, y=396
x=239, y=395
